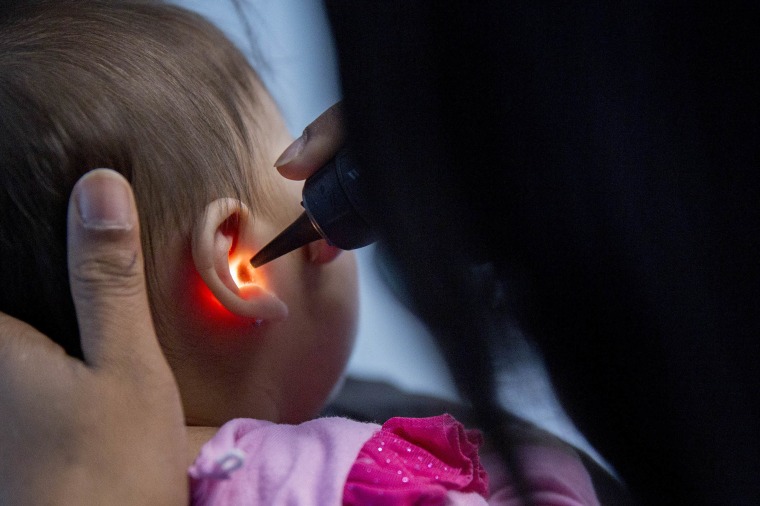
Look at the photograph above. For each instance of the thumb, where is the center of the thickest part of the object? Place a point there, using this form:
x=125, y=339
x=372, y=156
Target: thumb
x=106, y=274
x=319, y=142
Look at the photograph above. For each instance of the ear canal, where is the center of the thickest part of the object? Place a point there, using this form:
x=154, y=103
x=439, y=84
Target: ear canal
x=221, y=249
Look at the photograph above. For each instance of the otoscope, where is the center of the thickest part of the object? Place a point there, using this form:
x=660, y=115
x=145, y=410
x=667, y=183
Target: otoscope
x=335, y=209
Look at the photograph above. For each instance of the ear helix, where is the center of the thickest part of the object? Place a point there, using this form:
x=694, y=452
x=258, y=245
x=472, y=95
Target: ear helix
x=221, y=240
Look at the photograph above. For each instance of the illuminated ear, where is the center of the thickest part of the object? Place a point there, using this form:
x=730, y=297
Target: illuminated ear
x=223, y=242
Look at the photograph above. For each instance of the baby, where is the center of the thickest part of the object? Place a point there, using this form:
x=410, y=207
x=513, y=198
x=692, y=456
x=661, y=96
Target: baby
x=162, y=97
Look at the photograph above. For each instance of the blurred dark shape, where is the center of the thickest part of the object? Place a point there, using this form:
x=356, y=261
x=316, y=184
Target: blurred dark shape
x=376, y=401
x=601, y=159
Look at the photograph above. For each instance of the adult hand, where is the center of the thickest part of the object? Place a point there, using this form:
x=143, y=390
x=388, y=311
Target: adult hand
x=109, y=429
x=319, y=142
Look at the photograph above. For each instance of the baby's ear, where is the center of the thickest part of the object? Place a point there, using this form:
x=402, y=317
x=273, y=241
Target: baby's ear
x=223, y=242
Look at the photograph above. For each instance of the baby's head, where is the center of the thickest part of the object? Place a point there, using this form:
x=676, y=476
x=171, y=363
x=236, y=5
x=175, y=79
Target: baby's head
x=161, y=96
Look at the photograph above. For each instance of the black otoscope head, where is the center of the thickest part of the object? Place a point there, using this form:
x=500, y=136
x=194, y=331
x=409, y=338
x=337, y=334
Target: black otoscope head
x=336, y=209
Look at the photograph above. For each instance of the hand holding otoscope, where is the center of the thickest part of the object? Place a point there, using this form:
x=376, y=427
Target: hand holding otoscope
x=334, y=197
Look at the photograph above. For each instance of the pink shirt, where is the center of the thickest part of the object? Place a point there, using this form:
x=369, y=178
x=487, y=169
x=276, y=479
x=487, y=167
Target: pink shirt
x=334, y=461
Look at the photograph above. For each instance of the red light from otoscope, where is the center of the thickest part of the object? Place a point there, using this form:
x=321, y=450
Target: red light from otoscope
x=242, y=272
x=245, y=278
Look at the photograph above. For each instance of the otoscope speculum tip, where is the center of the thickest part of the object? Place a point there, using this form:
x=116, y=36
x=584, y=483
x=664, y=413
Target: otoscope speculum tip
x=299, y=233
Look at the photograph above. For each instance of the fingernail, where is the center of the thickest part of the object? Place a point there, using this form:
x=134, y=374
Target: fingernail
x=292, y=151
x=104, y=201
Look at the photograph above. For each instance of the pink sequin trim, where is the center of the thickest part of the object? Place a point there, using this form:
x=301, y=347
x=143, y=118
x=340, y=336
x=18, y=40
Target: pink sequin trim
x=415, y=461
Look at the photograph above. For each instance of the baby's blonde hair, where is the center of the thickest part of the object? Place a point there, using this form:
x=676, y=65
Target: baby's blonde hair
x=147, y=89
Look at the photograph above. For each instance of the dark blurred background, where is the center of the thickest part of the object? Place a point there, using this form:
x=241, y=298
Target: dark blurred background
x=598, y=160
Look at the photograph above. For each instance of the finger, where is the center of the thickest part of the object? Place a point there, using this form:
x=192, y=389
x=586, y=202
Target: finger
x=14, y=332
x=24, y=392
x=319, y=142
x=24, y=349
x=106, y=273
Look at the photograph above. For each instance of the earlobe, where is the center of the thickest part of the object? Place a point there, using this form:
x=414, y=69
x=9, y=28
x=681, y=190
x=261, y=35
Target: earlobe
x=223, y=242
